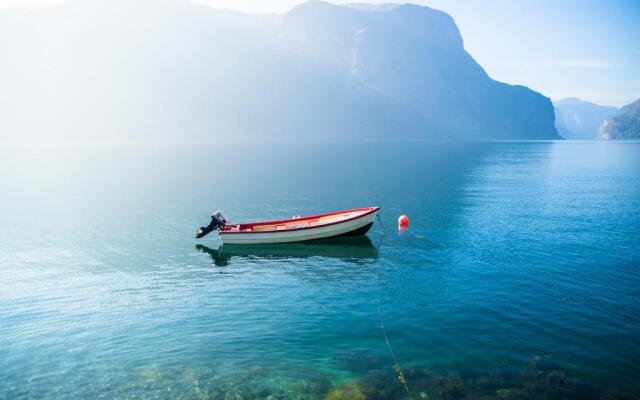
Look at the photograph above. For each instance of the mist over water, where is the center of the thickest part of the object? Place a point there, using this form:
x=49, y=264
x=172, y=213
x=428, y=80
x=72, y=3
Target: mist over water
x=173, y=71
x=517, y=277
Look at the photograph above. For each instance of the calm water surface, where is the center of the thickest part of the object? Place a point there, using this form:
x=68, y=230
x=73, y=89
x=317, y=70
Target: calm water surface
x=518, y=278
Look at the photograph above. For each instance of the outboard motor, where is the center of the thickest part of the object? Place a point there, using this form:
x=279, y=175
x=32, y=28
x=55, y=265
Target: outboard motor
x=217, y=221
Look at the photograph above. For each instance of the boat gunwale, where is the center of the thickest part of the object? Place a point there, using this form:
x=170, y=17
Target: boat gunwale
x=370, y=211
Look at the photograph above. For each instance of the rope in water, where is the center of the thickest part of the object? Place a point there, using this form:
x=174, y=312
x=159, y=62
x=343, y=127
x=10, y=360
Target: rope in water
x=396, y=364
x=384, y=229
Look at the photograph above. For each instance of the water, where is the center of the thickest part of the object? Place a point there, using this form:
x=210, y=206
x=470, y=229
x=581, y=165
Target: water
x=518, y=277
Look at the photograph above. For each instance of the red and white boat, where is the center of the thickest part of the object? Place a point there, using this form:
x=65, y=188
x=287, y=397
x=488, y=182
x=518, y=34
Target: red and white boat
x=341, y=223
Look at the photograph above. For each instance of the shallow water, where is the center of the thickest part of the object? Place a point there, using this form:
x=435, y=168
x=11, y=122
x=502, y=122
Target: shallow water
x=518, y=277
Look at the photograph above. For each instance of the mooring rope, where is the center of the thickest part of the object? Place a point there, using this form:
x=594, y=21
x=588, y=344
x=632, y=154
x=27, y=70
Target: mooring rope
x=384, y=229
x=396, y=364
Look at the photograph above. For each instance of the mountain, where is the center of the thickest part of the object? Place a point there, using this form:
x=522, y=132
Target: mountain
x=168, y=71
x=580, y=120
x=625, y=124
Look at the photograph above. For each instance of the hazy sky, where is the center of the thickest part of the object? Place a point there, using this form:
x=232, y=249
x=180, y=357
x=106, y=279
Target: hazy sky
x=562, y=48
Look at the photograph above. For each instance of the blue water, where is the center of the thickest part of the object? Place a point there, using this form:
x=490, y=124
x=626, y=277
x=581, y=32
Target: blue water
x=518, y=278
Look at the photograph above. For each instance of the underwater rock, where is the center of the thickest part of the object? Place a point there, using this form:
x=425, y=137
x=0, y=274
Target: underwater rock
x=202, y=394
x=543, y=379
x=630, y=393
x=151, y=374
x=269, y=384
x=510, y=394
x=454, y=387
x=348, y=391
x=382, y=384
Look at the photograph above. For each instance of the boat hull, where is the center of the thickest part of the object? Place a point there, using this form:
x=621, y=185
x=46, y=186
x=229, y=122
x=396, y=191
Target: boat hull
x=354, y=227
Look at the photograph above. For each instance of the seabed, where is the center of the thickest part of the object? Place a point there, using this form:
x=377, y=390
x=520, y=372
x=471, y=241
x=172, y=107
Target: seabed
x=358, y=376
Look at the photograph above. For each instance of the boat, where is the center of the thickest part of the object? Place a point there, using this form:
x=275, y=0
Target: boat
x=354, y=222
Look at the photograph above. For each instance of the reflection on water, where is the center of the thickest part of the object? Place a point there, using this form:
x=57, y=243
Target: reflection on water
x=355, y=249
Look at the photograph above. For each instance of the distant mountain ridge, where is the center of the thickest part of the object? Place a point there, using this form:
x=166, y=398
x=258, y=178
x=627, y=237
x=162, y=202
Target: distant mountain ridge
x=577, y=119
x=172, y=71
x=625, y=124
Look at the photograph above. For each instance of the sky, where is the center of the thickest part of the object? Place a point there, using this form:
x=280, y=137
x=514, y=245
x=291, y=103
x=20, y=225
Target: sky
x=562, y=48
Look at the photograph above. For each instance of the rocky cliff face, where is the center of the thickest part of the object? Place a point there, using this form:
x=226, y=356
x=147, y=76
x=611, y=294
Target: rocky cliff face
x=172, y=71
x=414, y=56
x=625, y=124
x=580, y=120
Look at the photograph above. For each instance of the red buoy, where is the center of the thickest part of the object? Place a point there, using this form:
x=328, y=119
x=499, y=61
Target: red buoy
x=403, y=222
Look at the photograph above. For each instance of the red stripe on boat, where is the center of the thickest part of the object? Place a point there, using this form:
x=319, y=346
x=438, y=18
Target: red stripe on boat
x=248, y=227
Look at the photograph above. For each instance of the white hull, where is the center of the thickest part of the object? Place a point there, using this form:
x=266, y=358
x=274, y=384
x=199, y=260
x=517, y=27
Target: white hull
x=300, y=235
